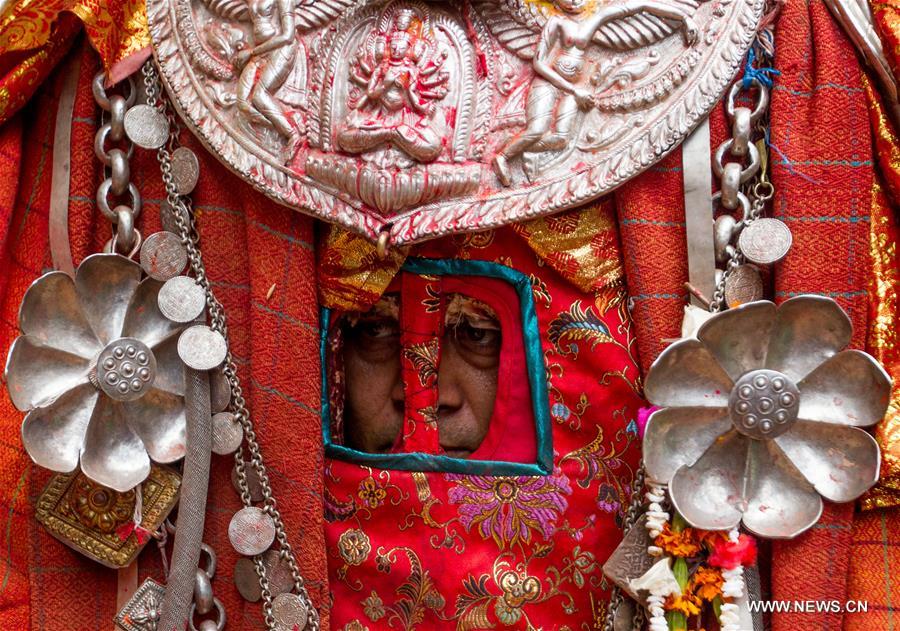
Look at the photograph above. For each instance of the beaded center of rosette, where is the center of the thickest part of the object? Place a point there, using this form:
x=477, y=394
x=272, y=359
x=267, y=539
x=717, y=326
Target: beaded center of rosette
x=764, y=404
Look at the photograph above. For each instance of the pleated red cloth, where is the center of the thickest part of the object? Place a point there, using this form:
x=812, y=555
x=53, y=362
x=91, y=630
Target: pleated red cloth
x=250, y=245
x=823, y=172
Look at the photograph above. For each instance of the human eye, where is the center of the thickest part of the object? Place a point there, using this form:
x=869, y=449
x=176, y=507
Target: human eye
x=376, y=339
x=479, y=340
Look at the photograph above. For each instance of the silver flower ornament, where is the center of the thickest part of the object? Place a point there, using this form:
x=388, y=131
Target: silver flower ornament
x=98, y=372
x=760, y=417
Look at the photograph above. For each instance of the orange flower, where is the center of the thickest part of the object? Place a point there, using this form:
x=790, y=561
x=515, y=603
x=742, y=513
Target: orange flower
x=711, y=537
x=707, y=582
x=678, y=544
x=687, y=603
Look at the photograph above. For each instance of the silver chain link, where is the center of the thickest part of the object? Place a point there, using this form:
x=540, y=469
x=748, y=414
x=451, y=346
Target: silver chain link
x=184, y=219
x=747, y=187
x=126, y=238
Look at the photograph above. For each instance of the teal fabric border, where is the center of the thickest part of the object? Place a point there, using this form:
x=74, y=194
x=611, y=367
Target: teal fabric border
x=534, y=362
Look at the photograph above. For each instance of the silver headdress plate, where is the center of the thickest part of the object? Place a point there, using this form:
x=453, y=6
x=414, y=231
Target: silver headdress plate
x=428, y=118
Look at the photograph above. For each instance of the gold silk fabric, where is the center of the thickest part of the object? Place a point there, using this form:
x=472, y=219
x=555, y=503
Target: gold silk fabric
x=884, y=286
x=36, y=34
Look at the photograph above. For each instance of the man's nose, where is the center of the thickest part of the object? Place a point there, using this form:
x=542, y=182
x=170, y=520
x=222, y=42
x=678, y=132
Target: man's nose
x=450, y=390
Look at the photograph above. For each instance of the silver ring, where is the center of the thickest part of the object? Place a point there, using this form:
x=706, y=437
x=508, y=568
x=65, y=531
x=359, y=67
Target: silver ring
x=744, y=202
x=220, y=617
x=117, y=110
x=103, y=203
x=120, y=171
x=100, y=145
x=761, y=104
x=748, y=172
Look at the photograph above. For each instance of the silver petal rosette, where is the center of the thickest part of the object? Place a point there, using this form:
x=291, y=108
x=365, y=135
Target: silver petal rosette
x=97, y=370
x=760, y=417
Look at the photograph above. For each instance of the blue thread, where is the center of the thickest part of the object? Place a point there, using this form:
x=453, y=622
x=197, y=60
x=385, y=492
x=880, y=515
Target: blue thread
x=763, y=75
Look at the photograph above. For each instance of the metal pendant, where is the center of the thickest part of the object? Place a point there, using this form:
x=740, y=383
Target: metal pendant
x=141, y=612
x=88, y=517
x=425, y=119
x=631, y=560
x=251, y=531
x=749, y=432
x=765, y=241
x=744, y=285
x=96, y=369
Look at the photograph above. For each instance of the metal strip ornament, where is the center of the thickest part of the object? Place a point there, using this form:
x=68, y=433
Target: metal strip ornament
x=421, y=119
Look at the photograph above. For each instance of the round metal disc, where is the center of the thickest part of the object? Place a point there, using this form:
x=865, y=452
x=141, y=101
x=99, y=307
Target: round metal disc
x=251, y=531
x=126, y=369
x=744, y=285
x=227, y=433
x=278, y=573
x=167, y=217
x=163, y=256
x=146, y=127
x=246, y=580
x=181, y=299
x=201, y=348
x=290, y=613
x=185, y=170
x=765, y=241
x=253, y=485
x=219, y=391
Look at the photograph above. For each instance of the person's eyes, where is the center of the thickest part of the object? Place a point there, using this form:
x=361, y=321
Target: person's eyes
x=482, y=340
x=376, y=339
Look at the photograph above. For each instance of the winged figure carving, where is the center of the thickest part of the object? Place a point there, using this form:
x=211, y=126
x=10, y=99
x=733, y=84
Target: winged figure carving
x=257, y=40
x=556, y=40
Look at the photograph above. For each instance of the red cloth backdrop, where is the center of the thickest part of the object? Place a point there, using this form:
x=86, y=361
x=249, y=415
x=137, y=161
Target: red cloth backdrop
x=823, y=174
x=251, y=244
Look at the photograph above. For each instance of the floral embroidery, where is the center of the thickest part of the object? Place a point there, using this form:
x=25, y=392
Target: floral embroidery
x=509, y=508
x=354, y=546
x=373, y=607
x=355, y=625
x=424, y=357
x=417, y=594
x=577, y=325
x=370, y=493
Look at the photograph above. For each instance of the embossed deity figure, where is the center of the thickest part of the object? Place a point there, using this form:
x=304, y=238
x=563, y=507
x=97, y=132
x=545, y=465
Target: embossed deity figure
x=401, y=78
x=266, y=66
x=557, y=93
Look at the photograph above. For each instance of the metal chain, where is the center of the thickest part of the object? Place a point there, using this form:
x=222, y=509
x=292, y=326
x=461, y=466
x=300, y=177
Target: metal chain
x=742, y=186
x=126, y=238
x=616, y=598
x=184, y=219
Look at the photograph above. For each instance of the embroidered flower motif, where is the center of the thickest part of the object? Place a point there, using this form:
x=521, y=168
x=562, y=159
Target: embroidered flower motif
x=506, y=614
x=355, y=625
x=424, y=356
x=370, y=493
x=607, y=498
x=97, y=370
x=373, y=607
x=509, y=508
x=354, y=546
x=761, y=415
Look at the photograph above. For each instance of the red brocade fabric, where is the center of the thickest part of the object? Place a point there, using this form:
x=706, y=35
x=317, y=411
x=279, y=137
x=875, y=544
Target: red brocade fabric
x=449, y=551
x=261, y=263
